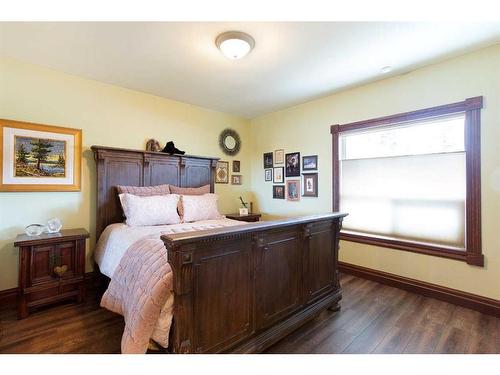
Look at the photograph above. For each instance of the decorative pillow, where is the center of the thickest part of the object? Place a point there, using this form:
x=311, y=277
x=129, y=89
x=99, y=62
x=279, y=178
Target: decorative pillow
x=144, y=191
x=200, y=207
x=153, y=210
x=190, y=191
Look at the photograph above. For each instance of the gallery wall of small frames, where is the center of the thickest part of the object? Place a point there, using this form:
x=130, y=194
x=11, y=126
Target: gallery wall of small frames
x=222, y=173
x=292, y=177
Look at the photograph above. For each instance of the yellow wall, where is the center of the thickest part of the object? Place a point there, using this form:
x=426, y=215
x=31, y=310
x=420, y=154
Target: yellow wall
x=119, y=117
x=108, y=115
x=306, y=128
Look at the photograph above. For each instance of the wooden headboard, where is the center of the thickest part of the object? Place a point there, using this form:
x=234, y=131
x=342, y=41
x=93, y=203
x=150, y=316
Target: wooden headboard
x=117, y=166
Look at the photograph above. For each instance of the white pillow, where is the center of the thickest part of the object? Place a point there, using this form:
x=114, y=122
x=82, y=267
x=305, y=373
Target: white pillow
x=200, y=207
x=152, y=210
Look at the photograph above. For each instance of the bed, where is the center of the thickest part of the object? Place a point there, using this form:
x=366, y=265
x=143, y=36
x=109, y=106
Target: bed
x=236, y=287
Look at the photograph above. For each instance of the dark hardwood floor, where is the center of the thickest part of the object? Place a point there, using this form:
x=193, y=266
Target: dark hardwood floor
x=374, y=318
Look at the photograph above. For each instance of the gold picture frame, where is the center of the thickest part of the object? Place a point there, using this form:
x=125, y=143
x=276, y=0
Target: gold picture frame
x=222, y=172
x=38, y=157
x=279, y=156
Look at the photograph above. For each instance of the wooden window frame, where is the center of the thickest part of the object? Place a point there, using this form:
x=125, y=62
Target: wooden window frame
x=472, y=253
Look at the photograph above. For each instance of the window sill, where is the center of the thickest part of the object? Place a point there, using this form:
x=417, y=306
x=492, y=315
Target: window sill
x=412, y=246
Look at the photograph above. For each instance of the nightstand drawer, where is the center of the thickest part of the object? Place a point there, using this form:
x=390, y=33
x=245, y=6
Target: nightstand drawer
x=51, y=292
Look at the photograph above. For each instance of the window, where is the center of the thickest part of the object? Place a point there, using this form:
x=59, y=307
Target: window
x=412, y=181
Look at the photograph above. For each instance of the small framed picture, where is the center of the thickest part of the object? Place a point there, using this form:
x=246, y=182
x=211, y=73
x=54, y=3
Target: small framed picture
x=236, y=166
x=236, y=179
x=268, y=160
x=293, y=190
x=222, y=172
x=268, y=174
x=278, y=175
x=279, y=156
x=292, y=167
x=310, y=184
x=310, y=163
x=278, y=191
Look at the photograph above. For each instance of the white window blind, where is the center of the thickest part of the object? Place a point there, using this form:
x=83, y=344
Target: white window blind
x=406, y=181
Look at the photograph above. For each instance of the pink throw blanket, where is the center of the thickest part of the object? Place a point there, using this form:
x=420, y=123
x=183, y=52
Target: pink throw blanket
x=139, y=290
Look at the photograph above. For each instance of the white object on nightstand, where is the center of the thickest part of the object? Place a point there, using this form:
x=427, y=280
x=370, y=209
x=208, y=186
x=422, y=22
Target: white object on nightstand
x=54, y=225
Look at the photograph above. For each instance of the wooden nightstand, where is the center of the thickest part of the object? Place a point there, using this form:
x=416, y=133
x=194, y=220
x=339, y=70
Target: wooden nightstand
x=248, y=218
x=51, y=268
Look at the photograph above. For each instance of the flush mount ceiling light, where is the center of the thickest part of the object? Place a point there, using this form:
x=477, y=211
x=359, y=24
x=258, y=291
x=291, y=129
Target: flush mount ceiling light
x=386, y=69
x=234, y=44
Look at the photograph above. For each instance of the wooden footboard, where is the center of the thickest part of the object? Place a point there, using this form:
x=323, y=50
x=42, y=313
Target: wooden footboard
x=241, y=289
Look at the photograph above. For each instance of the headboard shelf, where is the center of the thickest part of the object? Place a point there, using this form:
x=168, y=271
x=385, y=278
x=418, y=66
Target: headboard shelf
x=120, y=166
x=108, y=148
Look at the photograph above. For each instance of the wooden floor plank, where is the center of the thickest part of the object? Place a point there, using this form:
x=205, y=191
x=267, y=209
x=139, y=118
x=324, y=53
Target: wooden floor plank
x=425, y=338
x=452, y=341
x=400, y=335
x=374, y=318
x=373, y=335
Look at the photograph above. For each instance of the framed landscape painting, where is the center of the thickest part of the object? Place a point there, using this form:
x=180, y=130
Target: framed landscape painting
x=310, y=163
x=36, y=157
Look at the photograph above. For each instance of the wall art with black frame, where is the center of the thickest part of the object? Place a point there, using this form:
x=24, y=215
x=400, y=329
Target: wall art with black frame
x=268, y=160
x=279, y=191
x=292, y=164
x=310, y=163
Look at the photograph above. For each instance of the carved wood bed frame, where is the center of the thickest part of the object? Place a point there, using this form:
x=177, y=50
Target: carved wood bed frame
x=237, y=289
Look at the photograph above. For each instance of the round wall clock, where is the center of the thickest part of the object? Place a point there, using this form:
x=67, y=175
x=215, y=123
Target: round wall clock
x=230, y=142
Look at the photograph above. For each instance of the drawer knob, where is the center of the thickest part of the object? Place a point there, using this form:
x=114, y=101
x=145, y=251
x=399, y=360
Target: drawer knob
x=60, y=270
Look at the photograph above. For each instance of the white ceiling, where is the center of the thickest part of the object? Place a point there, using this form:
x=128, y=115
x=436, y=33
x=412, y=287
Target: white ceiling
x=292, y=62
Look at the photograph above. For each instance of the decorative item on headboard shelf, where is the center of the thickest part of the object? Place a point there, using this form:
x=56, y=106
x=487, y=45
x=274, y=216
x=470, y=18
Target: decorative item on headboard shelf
x=153, y=145
x=171, y=149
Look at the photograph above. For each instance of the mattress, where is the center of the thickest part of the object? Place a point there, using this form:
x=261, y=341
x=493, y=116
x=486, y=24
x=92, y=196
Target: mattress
x=118, y=237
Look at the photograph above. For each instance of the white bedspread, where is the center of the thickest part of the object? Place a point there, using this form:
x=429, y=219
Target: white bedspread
x=117, y=238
